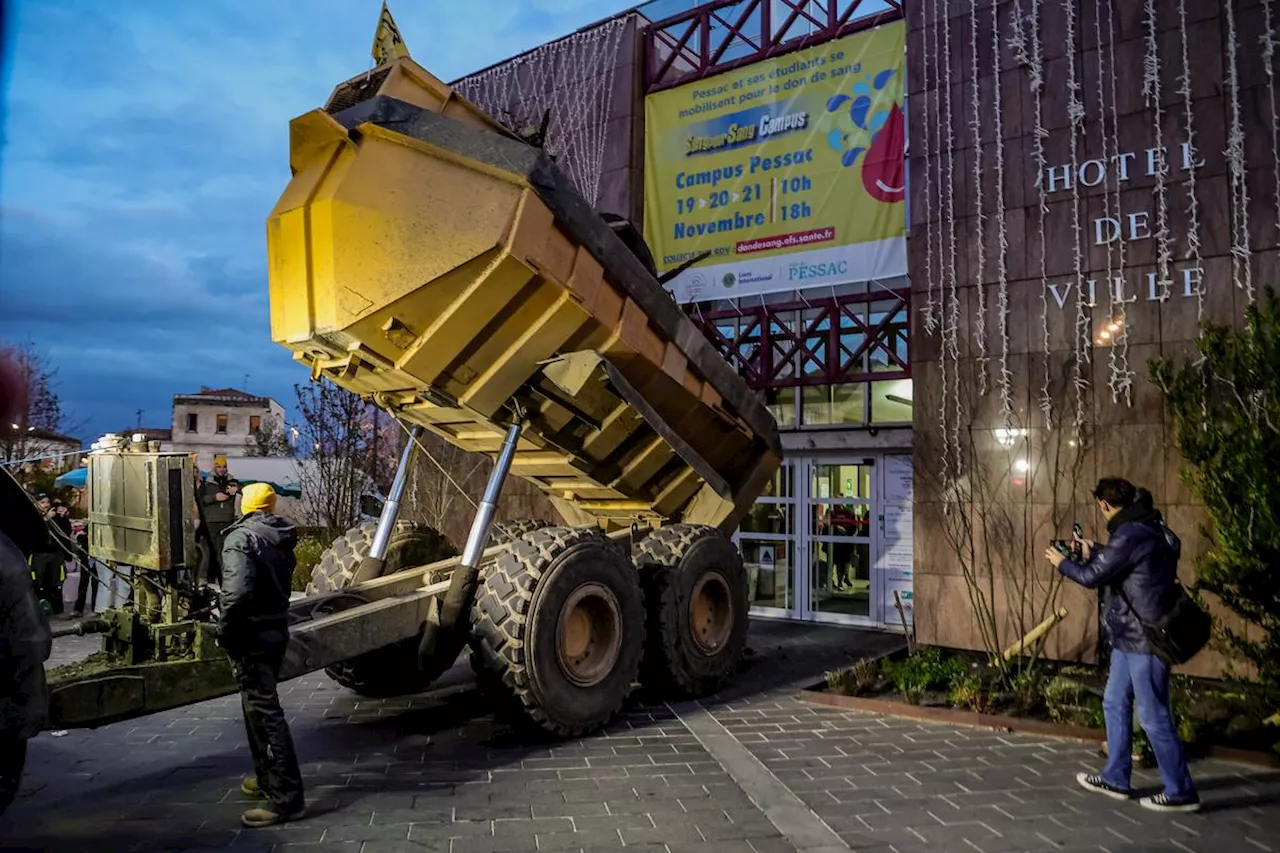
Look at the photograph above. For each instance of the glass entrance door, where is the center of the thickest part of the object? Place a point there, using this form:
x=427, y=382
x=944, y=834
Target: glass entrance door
x=766, y=538
x=829, y=540
x=838, y=547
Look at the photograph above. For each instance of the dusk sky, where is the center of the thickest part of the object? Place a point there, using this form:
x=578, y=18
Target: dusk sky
x=145, y=142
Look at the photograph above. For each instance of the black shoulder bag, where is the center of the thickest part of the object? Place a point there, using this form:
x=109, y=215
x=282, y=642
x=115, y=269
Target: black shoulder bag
x=1184, y=629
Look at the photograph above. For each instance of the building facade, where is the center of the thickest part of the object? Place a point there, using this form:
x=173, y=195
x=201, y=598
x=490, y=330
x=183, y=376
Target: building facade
x=221, y=422
x=821, y=331
x=45, y=449
x=1119, y=188
x=763, y=123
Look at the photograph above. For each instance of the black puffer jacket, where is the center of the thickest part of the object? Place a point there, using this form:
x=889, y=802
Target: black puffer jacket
x=25, y=644
x=1141, y=557
x=257, y=574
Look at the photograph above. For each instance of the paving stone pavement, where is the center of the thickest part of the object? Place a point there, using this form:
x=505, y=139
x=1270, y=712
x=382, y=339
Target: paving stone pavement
x=437, y=774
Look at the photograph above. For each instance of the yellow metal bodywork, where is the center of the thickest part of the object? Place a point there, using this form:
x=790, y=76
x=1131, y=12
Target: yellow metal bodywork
x=444, y=288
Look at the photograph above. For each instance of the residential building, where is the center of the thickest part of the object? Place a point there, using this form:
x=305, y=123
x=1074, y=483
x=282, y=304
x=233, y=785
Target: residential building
x=46, y=449
x=220, y=421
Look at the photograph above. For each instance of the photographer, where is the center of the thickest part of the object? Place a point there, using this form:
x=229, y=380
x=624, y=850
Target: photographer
x=1138, y=566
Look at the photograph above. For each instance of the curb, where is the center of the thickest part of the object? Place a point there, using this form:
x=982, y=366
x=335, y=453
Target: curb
x=956, y=716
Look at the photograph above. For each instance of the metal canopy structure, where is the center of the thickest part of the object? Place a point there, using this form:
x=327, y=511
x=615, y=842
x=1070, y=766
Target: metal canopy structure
x=725, y=34
x=816, y=341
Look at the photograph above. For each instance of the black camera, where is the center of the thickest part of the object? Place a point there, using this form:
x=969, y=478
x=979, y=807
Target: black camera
x=1071, y=548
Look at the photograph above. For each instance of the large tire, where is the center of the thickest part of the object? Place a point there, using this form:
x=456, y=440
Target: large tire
x=391, y=670
x=500, y=533
x=695, y=589
x=506, y=532
x=559, y=622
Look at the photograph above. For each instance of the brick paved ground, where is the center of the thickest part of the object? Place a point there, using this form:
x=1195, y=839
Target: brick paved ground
x=435, y=773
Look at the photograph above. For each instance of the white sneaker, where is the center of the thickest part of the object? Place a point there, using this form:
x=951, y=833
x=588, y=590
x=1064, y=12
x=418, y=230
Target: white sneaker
x=1165, y=803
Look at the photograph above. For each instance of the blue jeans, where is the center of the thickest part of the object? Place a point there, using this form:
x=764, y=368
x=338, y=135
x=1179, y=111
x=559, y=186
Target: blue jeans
x=1145, y=677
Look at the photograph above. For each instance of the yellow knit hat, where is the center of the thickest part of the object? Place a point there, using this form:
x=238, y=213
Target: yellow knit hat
x=257, y=497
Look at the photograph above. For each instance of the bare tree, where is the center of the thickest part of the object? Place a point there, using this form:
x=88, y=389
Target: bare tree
x=441, y=484
x=271, y=439
x=991, y=523
x=342, y=441
x=38, y=405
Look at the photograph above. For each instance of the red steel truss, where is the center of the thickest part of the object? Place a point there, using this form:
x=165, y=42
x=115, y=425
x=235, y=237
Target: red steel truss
x=726, y=34
x=816, y=341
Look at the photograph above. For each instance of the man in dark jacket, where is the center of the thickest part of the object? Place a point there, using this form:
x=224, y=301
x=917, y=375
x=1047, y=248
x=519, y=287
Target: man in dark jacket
x=1140, y=563
x=47, y=565
x=253, y=627
x=218, y=495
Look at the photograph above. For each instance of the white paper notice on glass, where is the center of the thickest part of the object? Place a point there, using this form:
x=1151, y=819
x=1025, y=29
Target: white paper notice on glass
x=897, y=553
x=899, y=479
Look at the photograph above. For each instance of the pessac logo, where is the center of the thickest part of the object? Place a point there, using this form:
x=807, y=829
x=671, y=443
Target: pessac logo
x=876, y=136
x=697, y=284
x=804, y=272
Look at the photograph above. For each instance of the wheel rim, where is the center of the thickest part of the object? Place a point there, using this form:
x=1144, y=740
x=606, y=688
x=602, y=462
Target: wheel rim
x=589, y=634
x=711, y=613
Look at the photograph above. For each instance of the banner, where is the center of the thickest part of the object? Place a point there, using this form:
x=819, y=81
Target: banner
x=789, y=171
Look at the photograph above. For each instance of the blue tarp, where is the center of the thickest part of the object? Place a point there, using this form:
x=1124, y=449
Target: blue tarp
x=75, y=478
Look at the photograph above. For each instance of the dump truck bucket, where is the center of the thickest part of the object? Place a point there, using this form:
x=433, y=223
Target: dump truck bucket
x=425, y=258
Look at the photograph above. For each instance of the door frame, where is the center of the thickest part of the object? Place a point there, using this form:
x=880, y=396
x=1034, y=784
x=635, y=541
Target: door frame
x=881, y=613
x=805, y=538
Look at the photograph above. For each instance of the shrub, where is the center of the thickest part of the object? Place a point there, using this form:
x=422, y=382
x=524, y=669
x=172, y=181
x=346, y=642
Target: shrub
x=1072, y=702
x=927, y=669
x=1024, y=686
x=854, y=680
x=967, y=691
x=1225, y=407
x=307, y=552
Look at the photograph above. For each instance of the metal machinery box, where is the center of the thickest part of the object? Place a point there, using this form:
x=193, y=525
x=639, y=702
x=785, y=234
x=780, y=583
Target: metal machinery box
x=142, y=509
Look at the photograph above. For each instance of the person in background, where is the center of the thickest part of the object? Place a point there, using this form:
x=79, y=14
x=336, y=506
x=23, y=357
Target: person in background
x=88, y=586
x=253, y=627
x=47, y=564
x=1139, y=563
x=218, y=496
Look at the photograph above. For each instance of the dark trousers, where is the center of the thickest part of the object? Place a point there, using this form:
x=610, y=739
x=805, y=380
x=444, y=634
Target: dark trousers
x=88, y=582
x=218, y=536
x=274, y=760
x=48, y=569
x=13, y=758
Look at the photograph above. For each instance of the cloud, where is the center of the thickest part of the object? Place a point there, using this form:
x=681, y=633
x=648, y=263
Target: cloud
x=145, y=144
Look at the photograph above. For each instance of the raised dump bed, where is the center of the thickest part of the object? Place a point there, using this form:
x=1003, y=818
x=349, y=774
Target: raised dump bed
x=426, y=257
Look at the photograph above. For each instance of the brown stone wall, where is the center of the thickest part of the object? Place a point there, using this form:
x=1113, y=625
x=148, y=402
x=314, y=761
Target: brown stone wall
x=1124, y=439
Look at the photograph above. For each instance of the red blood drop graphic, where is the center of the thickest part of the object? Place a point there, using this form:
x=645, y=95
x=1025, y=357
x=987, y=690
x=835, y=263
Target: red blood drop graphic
x=882, y=167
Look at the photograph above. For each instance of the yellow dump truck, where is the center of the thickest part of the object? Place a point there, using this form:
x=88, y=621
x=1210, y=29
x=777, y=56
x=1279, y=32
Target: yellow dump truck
x=435, y=263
